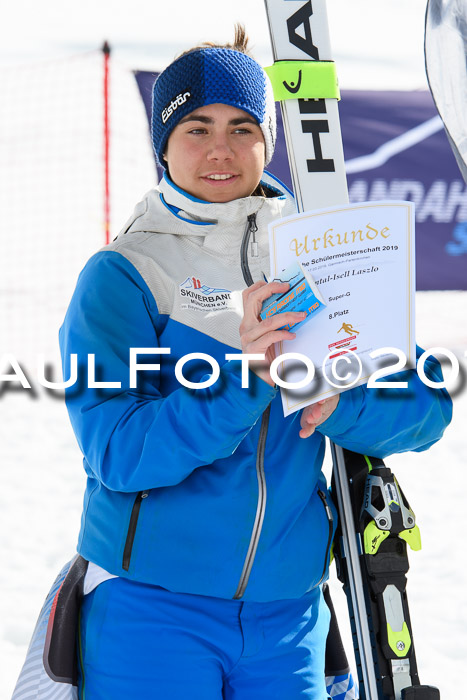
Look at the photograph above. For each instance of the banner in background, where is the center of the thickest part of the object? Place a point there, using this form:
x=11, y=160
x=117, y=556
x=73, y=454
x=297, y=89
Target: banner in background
x=396, y=148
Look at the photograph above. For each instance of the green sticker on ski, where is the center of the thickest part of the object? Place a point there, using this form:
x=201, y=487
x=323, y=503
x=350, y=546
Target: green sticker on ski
x=293, y=80
x=400, y=642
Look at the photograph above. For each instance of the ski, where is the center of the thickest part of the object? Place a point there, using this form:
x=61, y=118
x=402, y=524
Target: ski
x=376, y=526
x=300, y=37
x=445, y=53
x=305, y=83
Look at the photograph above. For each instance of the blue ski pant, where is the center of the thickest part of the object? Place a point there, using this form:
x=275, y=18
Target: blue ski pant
x=142, y=641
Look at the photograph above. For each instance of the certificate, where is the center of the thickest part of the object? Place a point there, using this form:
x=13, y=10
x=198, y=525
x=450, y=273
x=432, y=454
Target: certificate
x=361, y=257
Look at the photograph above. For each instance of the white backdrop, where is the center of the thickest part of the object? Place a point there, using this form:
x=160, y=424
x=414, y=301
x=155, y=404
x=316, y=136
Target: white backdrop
x=376, y=44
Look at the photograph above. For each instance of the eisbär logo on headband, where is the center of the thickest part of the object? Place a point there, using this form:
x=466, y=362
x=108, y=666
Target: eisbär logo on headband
x=174, y=104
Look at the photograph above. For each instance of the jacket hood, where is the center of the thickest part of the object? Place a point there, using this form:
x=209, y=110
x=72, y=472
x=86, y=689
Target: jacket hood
x=168, y=209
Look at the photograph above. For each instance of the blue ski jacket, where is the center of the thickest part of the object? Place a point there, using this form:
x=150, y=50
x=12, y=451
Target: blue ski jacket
x=207, y=491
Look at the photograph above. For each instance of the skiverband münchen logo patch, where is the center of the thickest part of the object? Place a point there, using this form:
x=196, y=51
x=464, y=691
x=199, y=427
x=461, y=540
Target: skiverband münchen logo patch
x=196, y=295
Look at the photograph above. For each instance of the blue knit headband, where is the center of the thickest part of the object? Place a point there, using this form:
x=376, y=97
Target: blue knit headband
x=210, y=76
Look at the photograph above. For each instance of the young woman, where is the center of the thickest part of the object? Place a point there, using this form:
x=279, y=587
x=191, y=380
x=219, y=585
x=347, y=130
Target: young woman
x=207, y=521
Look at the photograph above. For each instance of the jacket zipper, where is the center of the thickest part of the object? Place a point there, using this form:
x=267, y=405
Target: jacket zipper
x=130, y=538
x=330, y=518
x=260, y=508
x=251, y=228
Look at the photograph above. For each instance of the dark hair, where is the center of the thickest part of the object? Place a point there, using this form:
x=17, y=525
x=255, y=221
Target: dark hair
x=240, y=43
